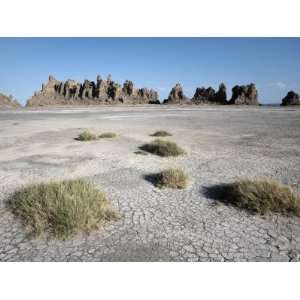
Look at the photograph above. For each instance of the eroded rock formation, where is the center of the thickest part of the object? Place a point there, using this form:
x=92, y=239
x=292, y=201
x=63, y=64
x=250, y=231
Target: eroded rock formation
x=291, y=98
x=176, y=95
x=244, y=94
x=210, y=96
x=56, y=92
x=7, y=102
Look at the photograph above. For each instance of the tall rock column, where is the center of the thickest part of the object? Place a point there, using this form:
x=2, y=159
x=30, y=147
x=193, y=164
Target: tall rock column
x=176, y=95
x=87, y=89
x=291, y=98
x=244, y=94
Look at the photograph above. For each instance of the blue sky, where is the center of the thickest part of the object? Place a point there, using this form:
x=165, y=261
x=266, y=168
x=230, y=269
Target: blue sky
x=273, y=64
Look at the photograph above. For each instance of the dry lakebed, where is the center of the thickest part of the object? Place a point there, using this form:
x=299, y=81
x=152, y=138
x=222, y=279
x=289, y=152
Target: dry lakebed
x=221, y=144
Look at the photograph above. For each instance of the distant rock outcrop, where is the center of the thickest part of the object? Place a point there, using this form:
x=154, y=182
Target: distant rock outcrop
x=291, y=98
x=210, y=96
x=56, y=92
x=244, y=94
x=107, y=91
x=176, y=95
x=7, y=102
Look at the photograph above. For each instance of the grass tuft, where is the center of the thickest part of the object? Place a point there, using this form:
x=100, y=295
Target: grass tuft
x=259, y=196
x=163, y=148
x=161, y=133
x=61, y=209
x=171, y=178
x=107, y=135
x=86, y=136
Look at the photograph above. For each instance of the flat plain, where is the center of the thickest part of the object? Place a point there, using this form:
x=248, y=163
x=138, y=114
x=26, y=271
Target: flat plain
x=222, y=144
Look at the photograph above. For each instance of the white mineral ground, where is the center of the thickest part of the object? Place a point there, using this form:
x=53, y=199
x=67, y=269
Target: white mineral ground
x=222, y=144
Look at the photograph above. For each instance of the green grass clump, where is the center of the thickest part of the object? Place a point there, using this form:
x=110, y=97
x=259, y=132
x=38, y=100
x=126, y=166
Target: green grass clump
x=86, y=136
x=262, y=196
x=172, y=178
x=161, y=133
x=163, y=148
x=61, y=209
x=107, y=135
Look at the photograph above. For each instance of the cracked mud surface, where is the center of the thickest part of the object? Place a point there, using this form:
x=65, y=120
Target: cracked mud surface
x=222, y=144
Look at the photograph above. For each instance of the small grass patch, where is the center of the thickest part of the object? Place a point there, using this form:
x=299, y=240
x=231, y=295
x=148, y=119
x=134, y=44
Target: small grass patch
x=163, y=148
x=161, y=133
x=61, y=209
x=171, y=178
x=107, y=135
x=259, y=196
x=86, y=136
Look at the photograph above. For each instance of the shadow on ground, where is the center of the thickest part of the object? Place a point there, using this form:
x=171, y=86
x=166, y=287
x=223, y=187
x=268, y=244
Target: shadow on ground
x=218, y=192
x=153, y=178
x=140, y=152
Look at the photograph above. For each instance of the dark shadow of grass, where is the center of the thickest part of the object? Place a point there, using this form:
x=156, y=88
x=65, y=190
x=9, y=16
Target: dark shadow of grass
x=218, y=193
x=140, y=152
x=152, y=178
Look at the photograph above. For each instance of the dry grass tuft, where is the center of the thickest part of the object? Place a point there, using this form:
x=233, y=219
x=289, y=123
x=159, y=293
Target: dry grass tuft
x=163, y=148
x=172, y=178
x=107, y=135
x=260, y=196
x=61, y=209
x=86, y=136
x=161, y=133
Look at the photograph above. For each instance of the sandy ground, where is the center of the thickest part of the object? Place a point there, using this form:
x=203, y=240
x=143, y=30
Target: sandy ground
x=222, y=144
